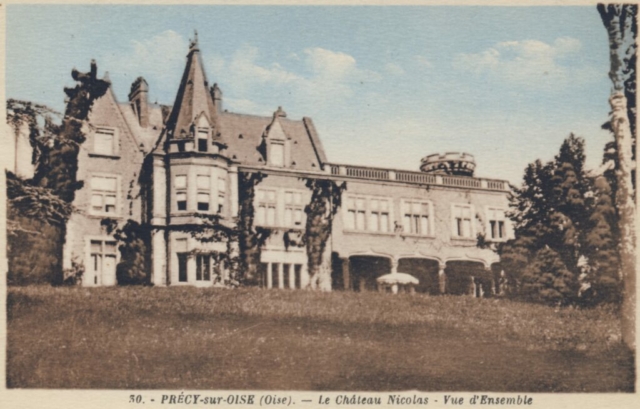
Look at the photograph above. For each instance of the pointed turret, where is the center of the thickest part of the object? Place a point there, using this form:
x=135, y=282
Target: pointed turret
x=193, y=101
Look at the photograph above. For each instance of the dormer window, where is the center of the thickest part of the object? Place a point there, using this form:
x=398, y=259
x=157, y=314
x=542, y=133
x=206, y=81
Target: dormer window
x=276, y=153
x=203, y=139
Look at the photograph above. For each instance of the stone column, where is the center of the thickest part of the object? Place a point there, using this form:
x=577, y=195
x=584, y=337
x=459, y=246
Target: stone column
x=67, y=248
x=158, y=258
x=442, y=278
x=304, y=279
x=269, y=275
x=191, y=269
x=280, y=275
x=346, y=276
x=394, y=270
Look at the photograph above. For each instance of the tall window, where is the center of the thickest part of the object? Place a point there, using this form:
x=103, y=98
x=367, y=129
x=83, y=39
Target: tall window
x=203, y=139
x=293, y=209
x=415, y=217
x=203, y=182
x=104, y=141
x=182, y=267
x=266, y=214
x=181, y=192
x=275, y=275
x=183, y=256
x=103, y=262
x=356, y=213
x=276, y=153
x=496, y=220
x=222, y=188
x=203, y=267
x=103, y=194
x=379, y=215
x=462, y=221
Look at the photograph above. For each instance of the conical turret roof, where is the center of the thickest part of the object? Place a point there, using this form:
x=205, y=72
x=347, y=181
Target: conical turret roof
x=193, y=98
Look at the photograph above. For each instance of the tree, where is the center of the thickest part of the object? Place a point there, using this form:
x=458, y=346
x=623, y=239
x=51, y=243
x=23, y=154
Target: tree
x=569, y=202
x=35, y=214
x=551, y=213
x=135, y=263
x=40, y=122
x=547, y=279
x=325, y=201
x=603, y=277
x=250, y=238
x=620, y=22
x=59, y=171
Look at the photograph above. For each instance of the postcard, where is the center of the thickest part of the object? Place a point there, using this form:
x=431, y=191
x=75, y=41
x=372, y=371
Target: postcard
x=322, y=205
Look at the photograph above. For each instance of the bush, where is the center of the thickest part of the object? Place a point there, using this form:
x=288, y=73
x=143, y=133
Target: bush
x=33, y=251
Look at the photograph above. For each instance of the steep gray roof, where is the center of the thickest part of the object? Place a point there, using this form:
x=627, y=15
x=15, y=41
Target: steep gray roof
x=243, y=136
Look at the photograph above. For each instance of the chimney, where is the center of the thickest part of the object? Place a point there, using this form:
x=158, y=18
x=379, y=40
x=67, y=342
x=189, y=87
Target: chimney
x=216, y=93
x=139, y=100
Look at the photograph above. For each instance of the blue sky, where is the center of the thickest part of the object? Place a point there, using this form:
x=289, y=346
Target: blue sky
x=385, y=86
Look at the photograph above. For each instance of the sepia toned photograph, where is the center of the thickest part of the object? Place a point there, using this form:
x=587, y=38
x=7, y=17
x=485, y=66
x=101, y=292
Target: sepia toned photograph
x=352, y=199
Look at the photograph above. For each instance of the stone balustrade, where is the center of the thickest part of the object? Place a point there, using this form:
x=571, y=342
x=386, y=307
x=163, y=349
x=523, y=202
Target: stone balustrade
x=419, y=178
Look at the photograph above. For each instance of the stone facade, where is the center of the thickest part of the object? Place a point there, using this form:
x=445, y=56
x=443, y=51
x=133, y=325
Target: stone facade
x=165, y=167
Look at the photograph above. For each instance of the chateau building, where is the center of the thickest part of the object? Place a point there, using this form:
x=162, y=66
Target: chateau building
x=167, y=166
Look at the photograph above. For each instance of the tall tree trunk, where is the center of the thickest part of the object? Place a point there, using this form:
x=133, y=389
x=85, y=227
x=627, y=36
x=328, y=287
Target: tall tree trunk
x=626, y=215
x=619, y=20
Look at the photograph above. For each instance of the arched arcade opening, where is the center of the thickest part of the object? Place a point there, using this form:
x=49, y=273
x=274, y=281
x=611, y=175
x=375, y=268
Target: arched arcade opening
x=425, y=270
x=466, y=277
x=365, y=269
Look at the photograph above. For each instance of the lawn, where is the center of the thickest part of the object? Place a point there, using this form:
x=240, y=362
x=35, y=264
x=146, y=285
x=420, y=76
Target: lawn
x=257, y=339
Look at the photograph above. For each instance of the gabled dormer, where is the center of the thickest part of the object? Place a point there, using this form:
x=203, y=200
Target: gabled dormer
x=276, y=143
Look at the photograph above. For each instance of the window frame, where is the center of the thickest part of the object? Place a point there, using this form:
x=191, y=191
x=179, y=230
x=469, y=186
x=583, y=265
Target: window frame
x=489, y=230
x=267, y=205
x=281, y=143
x=454, y=223
x=206, y=190
x=103, y=193
x=410, y=201
x=181, y=191
x=114, y=132
x=200, y=131
x=353, y=214
x=103, y=253
x=294, y=208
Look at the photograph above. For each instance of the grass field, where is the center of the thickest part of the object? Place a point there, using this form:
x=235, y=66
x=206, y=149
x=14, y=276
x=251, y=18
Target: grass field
x=266, y=340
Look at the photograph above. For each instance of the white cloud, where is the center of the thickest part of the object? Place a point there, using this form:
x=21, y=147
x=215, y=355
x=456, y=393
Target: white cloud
x=316, y=75
x=394, y=69
x=529, y=63
x=424, y=61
